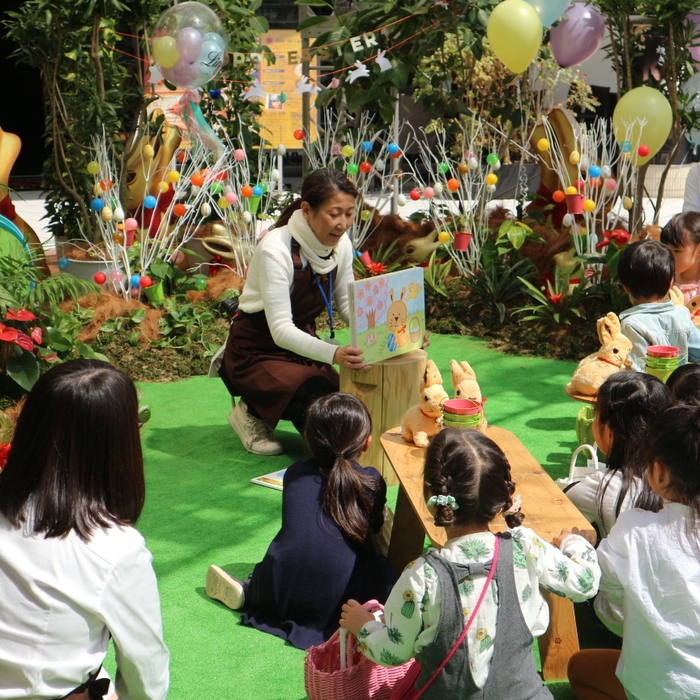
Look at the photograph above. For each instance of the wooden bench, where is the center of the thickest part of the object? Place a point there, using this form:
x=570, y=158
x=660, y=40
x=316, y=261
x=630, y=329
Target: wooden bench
x=547, y=511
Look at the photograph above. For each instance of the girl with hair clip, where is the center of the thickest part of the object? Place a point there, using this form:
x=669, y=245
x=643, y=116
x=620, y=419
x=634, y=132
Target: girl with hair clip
x=323, y=553
x=649, y=587
x=627, y=402
x=73, y=570
x=483, y=584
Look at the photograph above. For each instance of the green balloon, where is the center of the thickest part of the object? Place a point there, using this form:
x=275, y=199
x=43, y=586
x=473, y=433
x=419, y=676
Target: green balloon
x=444, y=167
x=200, y=284
x=492, y=158
x=352, y=168
x=216, y=188
x=264, y=186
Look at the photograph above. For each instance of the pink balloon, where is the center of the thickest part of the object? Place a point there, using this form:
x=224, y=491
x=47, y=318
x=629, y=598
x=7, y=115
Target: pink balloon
x=239, y=154
x=189, y=44
x=428, y=192
x=231, y=197
x=694, y=17
x=116, y=276
x=610, y=184
x=577, y=38
x=184, y=74
x=131, y=225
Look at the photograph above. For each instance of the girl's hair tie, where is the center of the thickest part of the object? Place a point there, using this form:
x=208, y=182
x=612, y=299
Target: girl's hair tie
x=340, y=454
x=443, y=501
x=514, y=506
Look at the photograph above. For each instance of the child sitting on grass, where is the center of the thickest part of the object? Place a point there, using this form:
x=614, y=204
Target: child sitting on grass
x=627, y=402
x=682, y=235
x=649, y=591
x=646, y=270
x=467, y=485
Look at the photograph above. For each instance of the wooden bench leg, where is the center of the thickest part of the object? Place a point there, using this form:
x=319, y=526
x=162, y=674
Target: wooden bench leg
x=407, y=535
x=560, y=642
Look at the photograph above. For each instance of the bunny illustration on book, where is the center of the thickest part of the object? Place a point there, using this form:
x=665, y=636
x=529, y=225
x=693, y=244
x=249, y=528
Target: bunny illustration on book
x=396, y=317
x=593, y=370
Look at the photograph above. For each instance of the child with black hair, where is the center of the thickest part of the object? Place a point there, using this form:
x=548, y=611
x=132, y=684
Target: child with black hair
x=323, y=553
x=468, y=484
x=626, y=403
x=682, y=235
x=649, y=590
x=684, y=385
x=646, y=270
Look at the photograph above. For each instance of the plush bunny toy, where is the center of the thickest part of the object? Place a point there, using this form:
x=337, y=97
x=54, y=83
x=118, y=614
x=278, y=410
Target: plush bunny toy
x=465, y=386
x=423, y=421
x=593, y=370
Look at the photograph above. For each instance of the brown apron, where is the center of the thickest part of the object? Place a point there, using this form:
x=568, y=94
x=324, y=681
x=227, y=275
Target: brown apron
x=263, y=374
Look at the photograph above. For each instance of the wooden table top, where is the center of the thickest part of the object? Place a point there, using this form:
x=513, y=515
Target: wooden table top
x=547, y=509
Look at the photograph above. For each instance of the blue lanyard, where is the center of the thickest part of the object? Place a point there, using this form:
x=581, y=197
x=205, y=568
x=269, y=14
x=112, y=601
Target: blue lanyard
x=329, y=304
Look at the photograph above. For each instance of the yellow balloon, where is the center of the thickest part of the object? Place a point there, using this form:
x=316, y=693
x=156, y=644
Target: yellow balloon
x=443, y=237
x=173, y=176
x=165, y=52
x=643, y=103
x=588, y=205
x=93, y=167
x=574, y=157
x=571, y=190
x=543, y=145
x=491, y=179
x=163, y=187
x=627, y=203
x=148, y=151
x=514, y=30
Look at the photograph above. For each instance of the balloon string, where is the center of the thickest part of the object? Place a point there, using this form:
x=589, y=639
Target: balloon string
x=522, y=173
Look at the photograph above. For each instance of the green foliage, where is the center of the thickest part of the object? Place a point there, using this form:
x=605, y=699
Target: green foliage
x=385, y=260
x=552, y=308
x=608, y=286
x=498, y=283
x=182, y=325
x=436, y=274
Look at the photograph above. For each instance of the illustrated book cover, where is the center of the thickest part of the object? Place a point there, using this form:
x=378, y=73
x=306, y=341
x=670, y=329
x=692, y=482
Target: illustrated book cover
x=273, y=480
x=387, y=314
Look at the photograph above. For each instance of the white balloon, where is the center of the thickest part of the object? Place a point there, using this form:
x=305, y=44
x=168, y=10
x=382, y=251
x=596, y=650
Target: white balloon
x=584, y=162
x=195, y=190
x=281, y=150
x=247, y=217
x=379, y=164
x=567, y=220
x=205, y=209
x=605, y=171
x=275, y=175
x=402, y=200
x=438, y=188
x=497, y=166
x=118, y=214
x=491, y=188
x=473, y=164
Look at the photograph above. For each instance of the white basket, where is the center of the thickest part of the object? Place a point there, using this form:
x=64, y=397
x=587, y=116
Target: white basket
x=578, y=473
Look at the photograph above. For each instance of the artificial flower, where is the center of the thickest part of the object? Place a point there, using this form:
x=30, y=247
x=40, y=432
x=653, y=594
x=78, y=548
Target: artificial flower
x=20, y=315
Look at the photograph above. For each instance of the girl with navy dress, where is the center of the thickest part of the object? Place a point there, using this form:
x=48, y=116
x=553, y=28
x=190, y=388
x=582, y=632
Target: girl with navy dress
x=323, y=553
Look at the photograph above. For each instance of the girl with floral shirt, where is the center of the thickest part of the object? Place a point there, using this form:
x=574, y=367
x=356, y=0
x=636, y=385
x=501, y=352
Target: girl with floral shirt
x=468, y=484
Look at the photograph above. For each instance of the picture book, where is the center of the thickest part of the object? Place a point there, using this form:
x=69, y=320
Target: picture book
x=273, y=480
x=387, y=314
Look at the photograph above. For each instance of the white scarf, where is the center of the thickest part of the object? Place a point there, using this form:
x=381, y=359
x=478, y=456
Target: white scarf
x=321, y=259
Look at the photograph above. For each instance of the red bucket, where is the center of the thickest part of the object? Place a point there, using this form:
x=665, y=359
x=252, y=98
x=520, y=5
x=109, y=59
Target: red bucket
x=462, y=407
x=574, y=203
x=662, y=351
x=462, y=240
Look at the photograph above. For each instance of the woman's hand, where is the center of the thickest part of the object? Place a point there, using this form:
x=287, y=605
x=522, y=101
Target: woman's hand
x=354, y=616
x=350, y=358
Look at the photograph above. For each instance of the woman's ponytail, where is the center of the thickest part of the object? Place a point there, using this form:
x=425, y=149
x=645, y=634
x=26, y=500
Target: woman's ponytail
x=337, y=428
x=286, y=215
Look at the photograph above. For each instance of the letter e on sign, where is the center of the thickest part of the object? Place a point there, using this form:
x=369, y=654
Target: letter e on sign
x=356, y=43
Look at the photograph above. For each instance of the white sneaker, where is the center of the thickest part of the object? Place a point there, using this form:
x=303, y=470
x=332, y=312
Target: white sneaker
x=255, y=433
x=229, y=590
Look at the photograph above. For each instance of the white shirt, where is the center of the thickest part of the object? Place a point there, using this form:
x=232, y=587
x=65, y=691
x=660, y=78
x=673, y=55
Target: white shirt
x=268, y=284
x=412, y=611
x=60, y=598
x=691, y=195
x=585, y=495
x=650, y=590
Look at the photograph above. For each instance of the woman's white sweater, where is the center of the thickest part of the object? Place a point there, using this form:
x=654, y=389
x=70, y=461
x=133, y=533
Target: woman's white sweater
x=268, y=285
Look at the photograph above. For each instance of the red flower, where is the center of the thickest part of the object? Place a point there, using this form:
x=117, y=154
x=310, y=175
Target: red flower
x=375, y=268
x=4, y=453
x=555, y=298
x=12, y=335
x=20, y=315
x=36, y=335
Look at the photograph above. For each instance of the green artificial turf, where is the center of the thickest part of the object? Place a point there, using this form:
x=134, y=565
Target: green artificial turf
x=202, y=509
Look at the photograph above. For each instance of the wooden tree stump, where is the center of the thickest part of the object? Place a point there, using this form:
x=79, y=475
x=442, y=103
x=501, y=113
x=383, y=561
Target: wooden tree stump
x=388, y=390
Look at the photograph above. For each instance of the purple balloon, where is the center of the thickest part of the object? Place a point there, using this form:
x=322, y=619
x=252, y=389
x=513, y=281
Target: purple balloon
x=577, y=38
x=183, y=74
x=694, y=17
x=189, y=44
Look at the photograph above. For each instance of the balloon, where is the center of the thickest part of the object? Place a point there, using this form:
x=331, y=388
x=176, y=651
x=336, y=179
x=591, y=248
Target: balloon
x=643, y=103
x=692, y=88
x=443, y=167
x=282, y=149
x=97, y=204
x=63, y=263
x=239, y=154
x=99, y=277
x=594, y=171
x=200, y=284
x=367, y=146
x=116, y=276
x=107, y=214
x=643, y=150
x=473, y=163
x=574, y=157
x=246, y=191
x=118, y=214
x=365, y=166
x=231, y=197
x=298, y=135
x=453, y=184
x=173, y=176
x=492, y=158
x=437, y=188
x=558, y=196
x=549, y=10
x=93, y=167
x=257, y=191
x=197, y=180
x=401, y=199
x=428, y=192
x=610, y=184
x=444, y=237
x=463, y=168
x=347, y=151
x=149, y=202
x=543, y=145
x=577, y=38
x=414, y=195
x=165, y=52
x=491, y=179
x=588, y=205
x=134, y=280
x=205, y=209
x=189, y=43
x=179, y=209
x=514, y=30
x=145, y=282
x=571, y=190
x=392, y=148
x=131, y=224
x=352, y=168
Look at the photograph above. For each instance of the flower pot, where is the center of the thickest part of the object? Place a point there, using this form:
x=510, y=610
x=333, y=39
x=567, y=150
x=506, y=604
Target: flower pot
x=662, y=351
x=155, y=292
x=462, y=240
x=463, y=407
x=574, y=203
x=130, y=236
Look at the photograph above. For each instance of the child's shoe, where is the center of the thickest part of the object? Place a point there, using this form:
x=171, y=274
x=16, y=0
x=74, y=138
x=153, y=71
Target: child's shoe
x=229, y=590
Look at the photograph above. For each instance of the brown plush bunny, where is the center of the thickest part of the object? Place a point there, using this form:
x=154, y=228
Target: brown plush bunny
x=465, y=386
x=593, y=370
x=423, y=421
